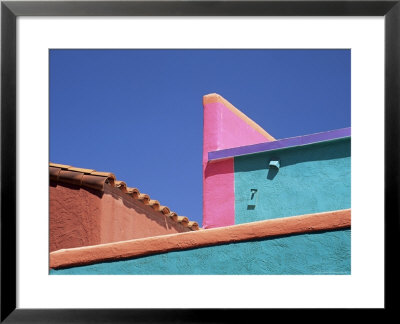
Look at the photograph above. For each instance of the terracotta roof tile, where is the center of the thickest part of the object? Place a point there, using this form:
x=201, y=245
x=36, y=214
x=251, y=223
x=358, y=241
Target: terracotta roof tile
x=144, y=198
x=62, y=166
x=103, y=174
x=164, y=209
x=54, y=173
x=133, y=192
x=121, y=185
x=155, y=204
x=96, y=180
x=70, y=177
x=173, y=216
x=93, y=182
x=88, y=171
x=183, y=220
x=193, y=225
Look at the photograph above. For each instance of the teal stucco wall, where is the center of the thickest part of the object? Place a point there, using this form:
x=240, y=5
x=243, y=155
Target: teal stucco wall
x=311, y=178
x=313, y=253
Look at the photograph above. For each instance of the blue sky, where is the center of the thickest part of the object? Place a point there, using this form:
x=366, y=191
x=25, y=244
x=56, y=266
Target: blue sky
x=139, y=114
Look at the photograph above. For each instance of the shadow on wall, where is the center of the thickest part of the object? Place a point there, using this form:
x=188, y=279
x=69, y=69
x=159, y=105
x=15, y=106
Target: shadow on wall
x=315, y=152
x=272, y=172
x=144, y=210
x=219, y=167
x=75, y=187
x=136, y=207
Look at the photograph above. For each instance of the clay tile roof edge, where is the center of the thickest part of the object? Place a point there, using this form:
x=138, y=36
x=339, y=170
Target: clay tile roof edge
x=96, y=180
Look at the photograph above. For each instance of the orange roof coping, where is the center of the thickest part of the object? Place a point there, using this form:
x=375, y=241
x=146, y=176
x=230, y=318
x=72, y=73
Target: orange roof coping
x=332, y=220
x=96, y=180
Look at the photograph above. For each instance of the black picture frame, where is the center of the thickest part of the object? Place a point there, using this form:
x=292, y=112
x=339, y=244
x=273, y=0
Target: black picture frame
x=10, y=10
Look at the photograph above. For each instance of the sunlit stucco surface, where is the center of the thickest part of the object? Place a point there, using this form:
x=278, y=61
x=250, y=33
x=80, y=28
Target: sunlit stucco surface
x=312, y=178
x=314, y=253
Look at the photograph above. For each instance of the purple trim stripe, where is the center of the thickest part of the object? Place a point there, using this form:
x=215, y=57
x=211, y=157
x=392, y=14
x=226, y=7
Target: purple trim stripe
x=280, y=144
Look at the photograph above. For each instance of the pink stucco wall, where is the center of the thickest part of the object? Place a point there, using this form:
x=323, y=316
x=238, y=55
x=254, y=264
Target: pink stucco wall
x=80, y=217
x=224, y=127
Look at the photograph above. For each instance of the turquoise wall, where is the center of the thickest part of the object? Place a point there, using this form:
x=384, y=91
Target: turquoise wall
x=312, y=178
x=314, y=253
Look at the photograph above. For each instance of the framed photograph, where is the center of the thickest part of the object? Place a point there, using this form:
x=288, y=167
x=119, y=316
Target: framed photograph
x=295, y=107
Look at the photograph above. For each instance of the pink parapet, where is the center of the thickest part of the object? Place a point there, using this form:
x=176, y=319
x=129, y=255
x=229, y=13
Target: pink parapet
x=224, y=127
x=218, y=194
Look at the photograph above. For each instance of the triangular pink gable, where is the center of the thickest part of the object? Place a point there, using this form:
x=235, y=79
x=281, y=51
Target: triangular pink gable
x=224, y=127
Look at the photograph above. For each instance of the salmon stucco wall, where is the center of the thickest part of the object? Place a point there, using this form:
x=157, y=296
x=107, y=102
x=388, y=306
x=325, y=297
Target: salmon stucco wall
x=81, y=217
x=311, y=179
x=224, y=127
x=319, y=253
x=71, y=220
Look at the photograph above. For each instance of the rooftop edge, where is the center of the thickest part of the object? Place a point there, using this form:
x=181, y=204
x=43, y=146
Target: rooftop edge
x=280, y=144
